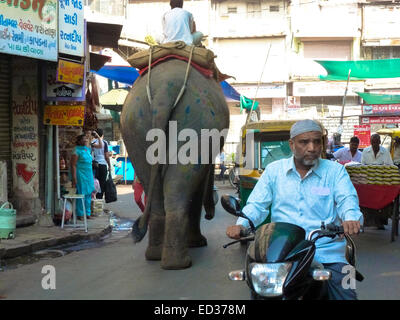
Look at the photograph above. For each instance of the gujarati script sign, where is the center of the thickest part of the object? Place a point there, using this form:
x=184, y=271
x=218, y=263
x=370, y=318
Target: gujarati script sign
x=25, y=128
x=56, y=91
x=71, y=26
x=381, y=109
x=70, y=72
x=29, y=28
x=64, y=115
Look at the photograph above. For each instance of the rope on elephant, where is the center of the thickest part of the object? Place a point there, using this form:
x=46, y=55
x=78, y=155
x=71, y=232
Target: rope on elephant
x=148, y=89
x=186, y=77
x=148, y=77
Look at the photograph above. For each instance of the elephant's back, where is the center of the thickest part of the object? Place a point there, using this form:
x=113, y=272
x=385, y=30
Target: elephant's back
x=202, y=105
x=166, y=80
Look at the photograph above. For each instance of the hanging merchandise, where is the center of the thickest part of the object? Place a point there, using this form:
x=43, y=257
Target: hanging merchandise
x=62, y=163
x=92, y=103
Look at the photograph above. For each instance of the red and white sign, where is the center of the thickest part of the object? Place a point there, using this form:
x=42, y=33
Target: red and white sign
x=293, y=103
x=380, y=120
x=363, y=132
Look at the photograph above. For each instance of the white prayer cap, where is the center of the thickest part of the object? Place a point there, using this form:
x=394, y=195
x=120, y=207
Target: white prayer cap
x=303, y=126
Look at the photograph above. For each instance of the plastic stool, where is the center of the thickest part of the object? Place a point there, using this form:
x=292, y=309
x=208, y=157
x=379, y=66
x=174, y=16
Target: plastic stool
x=74, y=197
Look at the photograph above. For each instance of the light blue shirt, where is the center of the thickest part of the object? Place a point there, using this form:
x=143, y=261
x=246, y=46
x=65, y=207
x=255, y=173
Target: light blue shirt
x=177, y=25
x=324, y=194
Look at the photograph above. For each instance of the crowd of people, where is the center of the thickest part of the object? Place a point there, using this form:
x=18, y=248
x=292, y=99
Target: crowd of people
x=374, y=154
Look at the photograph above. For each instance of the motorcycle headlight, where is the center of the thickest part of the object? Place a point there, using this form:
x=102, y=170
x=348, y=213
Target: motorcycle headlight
x=268, y=278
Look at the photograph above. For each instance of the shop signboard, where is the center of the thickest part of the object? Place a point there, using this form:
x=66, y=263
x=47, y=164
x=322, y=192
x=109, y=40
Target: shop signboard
x=263, y=91
x=71, y=27
x=380, y=120
x=363, y=132
x=293, y=104
x=57, y=91
x=25, y=128
x=70, y=72
x=64, y=115
x=326, y=88
x=29, y=28
x=393, y=109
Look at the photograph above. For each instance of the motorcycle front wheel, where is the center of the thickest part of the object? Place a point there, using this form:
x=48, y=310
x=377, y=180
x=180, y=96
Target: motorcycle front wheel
x=215, y=197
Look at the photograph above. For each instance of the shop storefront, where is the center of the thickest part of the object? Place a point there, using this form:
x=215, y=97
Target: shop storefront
x=44, y=68
x=25, y=42
x=5, y=123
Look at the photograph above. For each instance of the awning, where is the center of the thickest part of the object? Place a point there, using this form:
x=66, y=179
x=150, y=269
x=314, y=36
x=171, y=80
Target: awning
x=360, y=69
x=374, y=98
x=103, y=34
x=114, y=99
x=123, y=74
x=97, y=61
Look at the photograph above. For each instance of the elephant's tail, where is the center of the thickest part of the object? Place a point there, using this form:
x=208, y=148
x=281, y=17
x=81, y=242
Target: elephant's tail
x=139, y=228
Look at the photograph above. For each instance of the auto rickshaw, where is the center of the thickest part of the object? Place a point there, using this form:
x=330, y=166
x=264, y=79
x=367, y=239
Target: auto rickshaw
x=270, y=143
x=388, y=141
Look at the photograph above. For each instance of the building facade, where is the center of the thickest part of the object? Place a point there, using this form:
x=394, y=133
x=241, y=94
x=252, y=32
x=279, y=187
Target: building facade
x=270, y=48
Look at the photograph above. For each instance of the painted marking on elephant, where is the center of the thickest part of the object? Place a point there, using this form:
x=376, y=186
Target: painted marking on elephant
x=187, y=110
x=172, y=89
x=212, y=112
x=141, y=113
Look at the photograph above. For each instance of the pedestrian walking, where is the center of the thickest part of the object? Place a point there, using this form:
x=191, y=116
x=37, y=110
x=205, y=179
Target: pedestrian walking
x=222, y=165
x=101, y=160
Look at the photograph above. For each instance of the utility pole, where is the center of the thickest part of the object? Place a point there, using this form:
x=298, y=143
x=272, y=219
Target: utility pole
x=340, y=128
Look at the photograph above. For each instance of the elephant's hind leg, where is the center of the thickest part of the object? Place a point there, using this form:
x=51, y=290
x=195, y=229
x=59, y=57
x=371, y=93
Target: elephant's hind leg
x=156, y=225
x=195, y=238
x=175, y=254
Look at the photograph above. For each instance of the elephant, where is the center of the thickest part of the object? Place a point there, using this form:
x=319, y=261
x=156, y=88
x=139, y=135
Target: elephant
x=176, y=189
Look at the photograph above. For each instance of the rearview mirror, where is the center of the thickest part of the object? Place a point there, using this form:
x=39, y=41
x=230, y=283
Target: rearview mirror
x=231, y=205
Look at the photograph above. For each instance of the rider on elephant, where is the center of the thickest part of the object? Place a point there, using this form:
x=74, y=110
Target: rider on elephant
x=178, y=25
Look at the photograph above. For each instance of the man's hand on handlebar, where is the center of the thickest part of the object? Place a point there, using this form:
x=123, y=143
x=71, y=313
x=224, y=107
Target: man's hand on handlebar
x=351, y=227
x=233, y=232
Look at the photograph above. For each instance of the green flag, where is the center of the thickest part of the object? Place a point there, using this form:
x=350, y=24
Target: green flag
x=246, y=103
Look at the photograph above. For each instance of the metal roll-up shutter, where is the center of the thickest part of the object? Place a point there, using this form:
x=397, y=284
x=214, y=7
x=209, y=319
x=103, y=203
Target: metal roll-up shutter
x=5, y=114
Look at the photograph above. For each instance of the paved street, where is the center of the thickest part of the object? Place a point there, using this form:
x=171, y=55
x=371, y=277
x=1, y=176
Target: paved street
x=116, y=269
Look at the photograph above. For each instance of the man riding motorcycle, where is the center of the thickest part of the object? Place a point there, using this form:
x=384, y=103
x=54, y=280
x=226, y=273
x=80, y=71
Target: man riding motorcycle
x=305, y=190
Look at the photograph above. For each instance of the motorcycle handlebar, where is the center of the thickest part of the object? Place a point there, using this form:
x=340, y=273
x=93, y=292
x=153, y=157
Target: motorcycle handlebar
x=244, y=233
x=330, y=230
x=334, y=228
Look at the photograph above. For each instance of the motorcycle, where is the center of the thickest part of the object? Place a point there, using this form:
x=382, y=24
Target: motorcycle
x=279, y=260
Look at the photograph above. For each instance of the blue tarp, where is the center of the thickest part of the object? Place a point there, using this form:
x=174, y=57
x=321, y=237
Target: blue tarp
x=128, y=75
